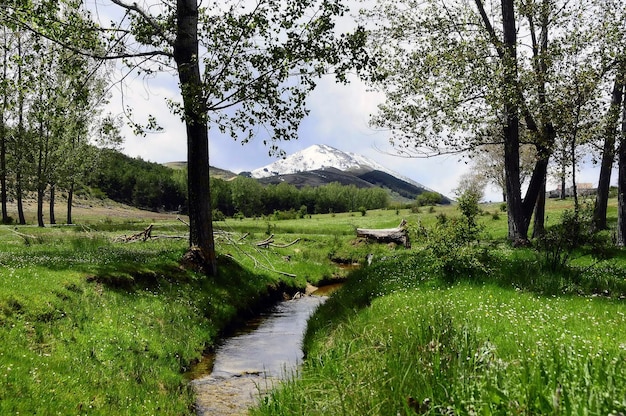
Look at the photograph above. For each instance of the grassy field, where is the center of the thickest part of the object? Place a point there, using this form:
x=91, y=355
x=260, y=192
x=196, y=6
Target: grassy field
x=405, y=337
x=90, y=324
x=93, y=325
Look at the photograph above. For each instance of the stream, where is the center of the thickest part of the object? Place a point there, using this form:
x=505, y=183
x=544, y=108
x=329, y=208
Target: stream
x=254, y=359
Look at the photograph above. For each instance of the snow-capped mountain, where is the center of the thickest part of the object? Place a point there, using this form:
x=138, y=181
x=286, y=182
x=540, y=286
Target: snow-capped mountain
x=322, y=163
x=320, y=157
x=316, y=157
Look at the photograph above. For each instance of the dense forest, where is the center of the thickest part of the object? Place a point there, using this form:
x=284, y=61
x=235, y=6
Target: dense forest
x=156, y=187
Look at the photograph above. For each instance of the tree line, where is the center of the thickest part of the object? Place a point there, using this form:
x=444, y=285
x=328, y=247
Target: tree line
x=156, y=187
x=50, y=112
x=247, y=197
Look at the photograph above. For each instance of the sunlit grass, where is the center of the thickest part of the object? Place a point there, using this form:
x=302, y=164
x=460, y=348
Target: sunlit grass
x=89, y=325
x=404, y=343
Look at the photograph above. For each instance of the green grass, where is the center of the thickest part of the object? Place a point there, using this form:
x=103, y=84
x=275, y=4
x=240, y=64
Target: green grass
x=91, y=326
x=398, y=340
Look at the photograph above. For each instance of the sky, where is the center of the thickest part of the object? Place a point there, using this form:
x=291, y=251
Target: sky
x=339, y=117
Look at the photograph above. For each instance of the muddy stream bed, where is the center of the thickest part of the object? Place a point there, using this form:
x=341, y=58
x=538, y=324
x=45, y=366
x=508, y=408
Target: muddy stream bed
x=245, y=365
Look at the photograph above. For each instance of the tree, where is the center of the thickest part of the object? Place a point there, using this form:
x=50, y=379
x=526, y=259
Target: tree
x=488, y=161
x=610, y=133
x=621, y=192
x=428, y=198
x=452, y=70
x=239, y=65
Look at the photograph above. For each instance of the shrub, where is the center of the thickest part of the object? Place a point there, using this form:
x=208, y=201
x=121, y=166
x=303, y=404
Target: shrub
x=302, y=211
x=428, y=198
x=218, y=215
x=559, y=242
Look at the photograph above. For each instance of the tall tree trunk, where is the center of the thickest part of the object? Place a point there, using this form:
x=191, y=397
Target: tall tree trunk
x=21, y=219
x=621, y=194
x=3, y=136
x=518, y=226
x=40, y=195
x=52, y=217
x=574, y=187
x=539, y=227
x=3, y=174
x=20, y=139
x=563, y=184
x=70, y=199
x=41, y=187
x=608, y=154
x=186, y=57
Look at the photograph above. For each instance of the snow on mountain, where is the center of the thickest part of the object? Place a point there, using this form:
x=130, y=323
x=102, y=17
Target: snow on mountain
x=321, y=156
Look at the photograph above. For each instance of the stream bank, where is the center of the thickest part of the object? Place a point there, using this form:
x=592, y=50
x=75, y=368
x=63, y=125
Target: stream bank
x=247, y=364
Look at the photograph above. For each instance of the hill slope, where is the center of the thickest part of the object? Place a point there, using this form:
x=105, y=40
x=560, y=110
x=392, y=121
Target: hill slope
x=321, y=164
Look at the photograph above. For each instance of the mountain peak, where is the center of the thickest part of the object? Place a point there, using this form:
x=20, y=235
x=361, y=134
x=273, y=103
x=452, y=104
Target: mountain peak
x=316, y=157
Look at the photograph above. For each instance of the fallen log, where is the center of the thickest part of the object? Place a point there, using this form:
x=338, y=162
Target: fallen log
x=143, y=236
x=265, y=243
x=285, y=245
x=398, y=235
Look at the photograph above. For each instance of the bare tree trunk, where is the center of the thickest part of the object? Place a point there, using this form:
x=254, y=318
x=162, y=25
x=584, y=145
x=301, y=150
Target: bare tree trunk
x=186, y=57
x=540, y=213
x=52, y=217
x=70, y=199
x=608, y=154
x=20, y=138
x=40, y=195
x=3, y=176
x=563, y=184
x=3, y=138
x=574, y=187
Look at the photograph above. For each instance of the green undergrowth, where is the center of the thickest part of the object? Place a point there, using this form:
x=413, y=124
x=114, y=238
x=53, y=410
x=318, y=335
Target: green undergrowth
x=403, y=338
x=93, y=326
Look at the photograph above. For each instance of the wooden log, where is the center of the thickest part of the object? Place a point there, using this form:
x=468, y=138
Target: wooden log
x=265, y=243
x=398, y=235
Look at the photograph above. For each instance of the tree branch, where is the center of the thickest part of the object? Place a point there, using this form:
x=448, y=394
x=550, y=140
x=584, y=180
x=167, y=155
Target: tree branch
x=492, y=33
x=149, y=19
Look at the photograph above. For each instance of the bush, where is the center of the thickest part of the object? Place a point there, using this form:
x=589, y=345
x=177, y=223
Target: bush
x=559, y=242
x=302, y=211
x=428, y=198
x=218, y=215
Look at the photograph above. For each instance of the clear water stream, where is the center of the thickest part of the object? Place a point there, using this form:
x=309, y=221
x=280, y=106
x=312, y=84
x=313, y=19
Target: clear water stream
x=266, y=350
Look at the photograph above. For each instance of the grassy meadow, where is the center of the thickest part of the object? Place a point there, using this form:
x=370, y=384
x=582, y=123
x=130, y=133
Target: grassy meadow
x=503, y=333
x=93, y=325
x=90, y=324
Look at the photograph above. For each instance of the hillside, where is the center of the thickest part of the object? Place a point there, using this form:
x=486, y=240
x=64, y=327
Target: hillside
x=322, y=164
x=317, y=177
x=213, y=171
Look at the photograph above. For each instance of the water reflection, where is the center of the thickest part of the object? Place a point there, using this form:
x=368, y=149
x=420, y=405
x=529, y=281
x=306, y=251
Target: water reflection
x=272, y=347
